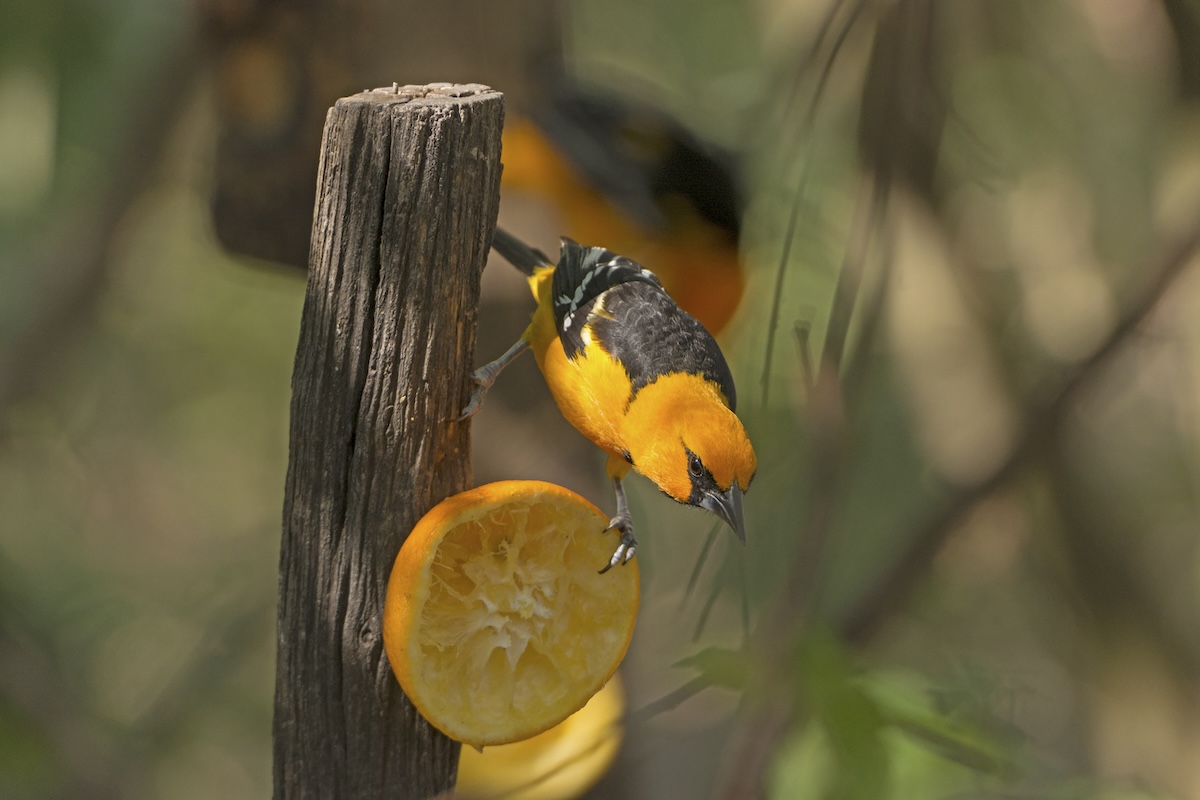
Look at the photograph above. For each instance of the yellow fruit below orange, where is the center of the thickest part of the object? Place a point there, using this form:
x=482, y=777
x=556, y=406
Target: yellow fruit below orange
x=561, y=763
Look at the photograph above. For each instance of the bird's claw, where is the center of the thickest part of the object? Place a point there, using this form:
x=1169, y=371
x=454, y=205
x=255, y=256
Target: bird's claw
x=483, y=378
x=627, y=546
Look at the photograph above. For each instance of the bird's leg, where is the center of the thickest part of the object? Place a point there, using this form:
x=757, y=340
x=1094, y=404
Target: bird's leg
x=486, y=375
x=624, y=523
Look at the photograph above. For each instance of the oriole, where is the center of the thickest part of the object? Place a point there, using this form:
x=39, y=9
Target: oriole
x=636, y=179
x=635, y=374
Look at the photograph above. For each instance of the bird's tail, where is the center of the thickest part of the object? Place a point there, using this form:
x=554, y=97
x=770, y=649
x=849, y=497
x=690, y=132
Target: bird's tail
x=519, y=254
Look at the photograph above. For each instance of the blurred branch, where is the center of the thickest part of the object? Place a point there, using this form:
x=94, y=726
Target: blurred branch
x=902, y=114
x=1123, y=599
x=1184, y=17
x=900, y=129
x=1041, y=424
x=759, y=738
x=80, y=252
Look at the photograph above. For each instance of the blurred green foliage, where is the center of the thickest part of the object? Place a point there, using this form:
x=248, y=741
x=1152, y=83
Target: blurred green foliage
x=140, y=472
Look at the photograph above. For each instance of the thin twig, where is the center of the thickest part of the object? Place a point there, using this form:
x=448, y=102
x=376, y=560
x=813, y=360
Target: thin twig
x=698, y=567
x=805, y=136
x=827, y=406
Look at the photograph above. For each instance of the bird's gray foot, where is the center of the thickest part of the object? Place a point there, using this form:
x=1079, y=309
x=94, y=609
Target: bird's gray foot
x=627, y=546
x=485, y=376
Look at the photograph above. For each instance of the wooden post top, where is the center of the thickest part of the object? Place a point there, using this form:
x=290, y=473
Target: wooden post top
x=424, y=94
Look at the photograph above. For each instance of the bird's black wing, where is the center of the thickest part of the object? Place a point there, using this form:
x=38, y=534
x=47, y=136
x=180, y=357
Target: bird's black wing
x=581, y=276
x=643, y=329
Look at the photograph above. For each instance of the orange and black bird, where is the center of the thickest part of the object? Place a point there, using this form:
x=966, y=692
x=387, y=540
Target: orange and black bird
x=635, y=178
x=637, y=375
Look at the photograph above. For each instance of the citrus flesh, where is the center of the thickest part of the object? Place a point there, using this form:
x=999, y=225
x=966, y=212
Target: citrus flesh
x=497, y=622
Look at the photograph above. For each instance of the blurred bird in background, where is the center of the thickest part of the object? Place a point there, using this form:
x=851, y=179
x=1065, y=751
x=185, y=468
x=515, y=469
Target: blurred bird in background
x=631, y=178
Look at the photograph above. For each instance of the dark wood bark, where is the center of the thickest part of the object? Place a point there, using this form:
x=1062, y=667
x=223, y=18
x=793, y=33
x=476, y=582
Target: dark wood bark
x=407, y=196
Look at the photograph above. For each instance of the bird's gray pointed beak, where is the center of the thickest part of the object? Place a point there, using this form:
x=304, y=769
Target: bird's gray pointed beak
x=728, y=506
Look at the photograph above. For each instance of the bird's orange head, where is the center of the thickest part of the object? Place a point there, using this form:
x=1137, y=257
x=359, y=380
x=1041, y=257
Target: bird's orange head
x=681, y=434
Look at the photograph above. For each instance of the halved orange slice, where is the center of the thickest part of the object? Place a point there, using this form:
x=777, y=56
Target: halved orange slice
x=496, y=622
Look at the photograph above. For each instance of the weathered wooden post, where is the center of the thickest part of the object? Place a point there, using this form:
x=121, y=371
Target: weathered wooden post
x=407, y=197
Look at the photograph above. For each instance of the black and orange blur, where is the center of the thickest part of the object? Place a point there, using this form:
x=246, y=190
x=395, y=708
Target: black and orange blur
x=637, y=183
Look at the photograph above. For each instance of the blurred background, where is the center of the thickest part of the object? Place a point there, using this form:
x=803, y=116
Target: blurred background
x=950, y=250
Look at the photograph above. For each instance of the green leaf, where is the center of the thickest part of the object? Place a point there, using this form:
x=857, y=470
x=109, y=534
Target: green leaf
x=978, y=740
x=851, y=720
x=728, y=668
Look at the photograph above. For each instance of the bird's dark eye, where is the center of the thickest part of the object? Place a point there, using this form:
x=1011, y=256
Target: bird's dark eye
x=695, y=467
